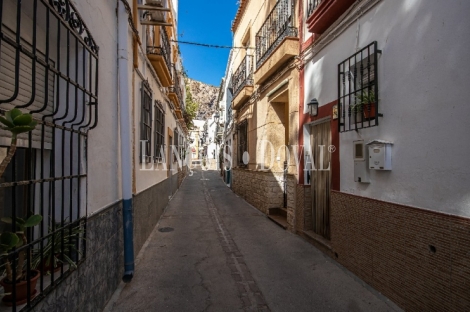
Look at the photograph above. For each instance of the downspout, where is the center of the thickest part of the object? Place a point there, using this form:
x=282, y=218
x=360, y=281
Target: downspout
x=126, y=141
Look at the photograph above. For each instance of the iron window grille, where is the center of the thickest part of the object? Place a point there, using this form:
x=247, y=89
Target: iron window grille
x=243, y=76
x=158, y=43
x=242, y=141
x=176, y=137
x=181, y=149
x=146, y=123
x=51, y=71
x=229, y=114
x=312, y=5
x=278, y=25
x=358, y=92
x=159, y=132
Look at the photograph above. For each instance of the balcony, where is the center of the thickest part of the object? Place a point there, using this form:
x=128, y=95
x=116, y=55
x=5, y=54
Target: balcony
x=242, y=81
x=311, y=6
x=175, y=94
x=322, y=14
x=159, y=53
x=276, y=41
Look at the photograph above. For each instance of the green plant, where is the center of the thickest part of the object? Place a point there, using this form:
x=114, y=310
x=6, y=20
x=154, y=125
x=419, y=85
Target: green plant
x=191, y=107
x=53, y=255
x=361, y=100
x=10, y=240
x=16, y=122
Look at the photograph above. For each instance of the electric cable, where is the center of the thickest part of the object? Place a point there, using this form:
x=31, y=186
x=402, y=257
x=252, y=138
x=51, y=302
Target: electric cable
x=210, y=45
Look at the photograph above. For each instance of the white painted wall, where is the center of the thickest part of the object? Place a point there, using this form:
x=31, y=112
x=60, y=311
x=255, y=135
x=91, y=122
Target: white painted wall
x=103, y=146
x=423, y=90
x=103, y=141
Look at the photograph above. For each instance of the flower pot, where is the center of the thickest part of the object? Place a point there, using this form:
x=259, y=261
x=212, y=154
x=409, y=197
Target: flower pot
x=46, y=268
x=21, y=289
x=369, y=114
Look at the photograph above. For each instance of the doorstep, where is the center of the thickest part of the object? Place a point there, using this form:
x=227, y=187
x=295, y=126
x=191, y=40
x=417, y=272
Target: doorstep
x=278, y=216
x=318, y=239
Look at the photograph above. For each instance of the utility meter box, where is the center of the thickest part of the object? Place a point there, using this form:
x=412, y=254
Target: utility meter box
x=380, y=155
x=361, y=173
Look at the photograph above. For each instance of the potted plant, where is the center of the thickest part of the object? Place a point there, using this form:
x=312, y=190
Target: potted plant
x=53, y=257
x=8, y=241
x=16, y=122
x=365, y=103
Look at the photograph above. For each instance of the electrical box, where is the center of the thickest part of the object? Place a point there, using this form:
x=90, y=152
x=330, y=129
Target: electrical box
x=380, y=155
x=361, y=173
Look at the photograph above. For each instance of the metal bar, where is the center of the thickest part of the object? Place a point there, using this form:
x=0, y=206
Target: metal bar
x=154, y=23
x=69, y=18
x=152, y=8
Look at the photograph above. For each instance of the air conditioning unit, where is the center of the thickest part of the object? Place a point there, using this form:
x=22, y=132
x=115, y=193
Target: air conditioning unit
x=158, y=3
x=156, y=15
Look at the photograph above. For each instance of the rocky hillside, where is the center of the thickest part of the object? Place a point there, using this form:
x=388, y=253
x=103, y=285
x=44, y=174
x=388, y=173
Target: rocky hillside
x=206, y=96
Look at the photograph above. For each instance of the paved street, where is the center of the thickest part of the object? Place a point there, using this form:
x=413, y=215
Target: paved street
x=211, y=251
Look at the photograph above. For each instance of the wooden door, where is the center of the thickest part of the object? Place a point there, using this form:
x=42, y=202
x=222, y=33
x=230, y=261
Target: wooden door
x=321, y=178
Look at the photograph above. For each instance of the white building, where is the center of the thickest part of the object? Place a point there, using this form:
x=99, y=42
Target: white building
x=394, y=208
x=109, y=99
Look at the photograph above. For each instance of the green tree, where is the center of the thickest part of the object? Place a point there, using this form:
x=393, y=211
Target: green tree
x=191, y=107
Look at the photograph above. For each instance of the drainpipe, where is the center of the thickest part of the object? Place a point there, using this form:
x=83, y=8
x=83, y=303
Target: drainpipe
x=125, y=132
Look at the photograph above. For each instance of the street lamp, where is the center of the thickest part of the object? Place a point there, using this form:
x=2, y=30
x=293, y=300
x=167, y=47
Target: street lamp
x=313, y=107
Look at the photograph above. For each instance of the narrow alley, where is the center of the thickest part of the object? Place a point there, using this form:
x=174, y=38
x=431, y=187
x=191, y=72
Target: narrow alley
x=212, y=251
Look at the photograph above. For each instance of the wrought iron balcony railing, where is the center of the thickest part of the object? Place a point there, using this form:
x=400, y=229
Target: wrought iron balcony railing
x=159, y=46
x=243, y=76
x=278, y=25
x=312, y=5
x=176, y=87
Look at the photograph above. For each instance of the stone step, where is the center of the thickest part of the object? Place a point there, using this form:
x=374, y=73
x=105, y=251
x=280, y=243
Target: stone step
x=279, y=220
x=278, y=211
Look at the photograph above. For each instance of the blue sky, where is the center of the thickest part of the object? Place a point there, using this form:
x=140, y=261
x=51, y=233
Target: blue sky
x=206, y=21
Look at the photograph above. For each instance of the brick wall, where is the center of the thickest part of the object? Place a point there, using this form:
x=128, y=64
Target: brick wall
x=417, y=258
x=303, y=212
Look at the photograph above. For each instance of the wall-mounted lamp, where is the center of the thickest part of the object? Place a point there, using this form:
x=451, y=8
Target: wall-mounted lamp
x=313, y=107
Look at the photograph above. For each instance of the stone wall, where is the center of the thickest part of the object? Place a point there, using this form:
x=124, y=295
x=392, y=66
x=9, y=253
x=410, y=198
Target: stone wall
x=418, y=258
x=92, y=284
x=261, y=189
x=264, y=190
x=291, y=202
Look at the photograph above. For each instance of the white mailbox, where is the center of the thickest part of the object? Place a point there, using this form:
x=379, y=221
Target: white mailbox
x=380, y=155
x=361, y=173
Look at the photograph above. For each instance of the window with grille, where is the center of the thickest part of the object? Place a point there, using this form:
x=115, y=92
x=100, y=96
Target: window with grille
x=159, y=132
x=358, y=90
x=176, y=138
x=146, y=123
x=242, y=141
x=182, y=150
x=49, y=68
